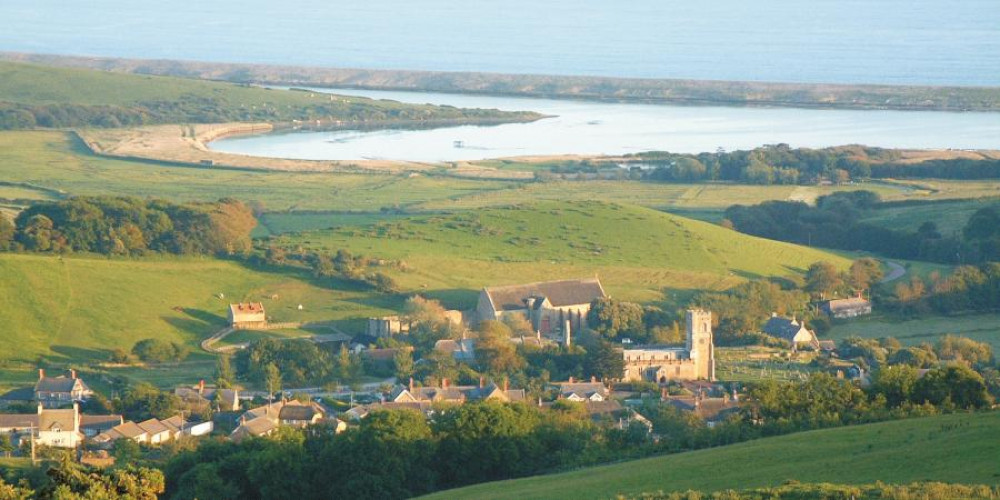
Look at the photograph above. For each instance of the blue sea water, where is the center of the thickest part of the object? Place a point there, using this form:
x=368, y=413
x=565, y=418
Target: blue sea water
x=846, y=41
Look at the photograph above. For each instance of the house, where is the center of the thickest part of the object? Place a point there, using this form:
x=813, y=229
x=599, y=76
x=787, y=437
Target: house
x=462, y=350
x=694, y=361
x=361, y=411
x=154, y=431
x=581, y=391
x=62, y=390
x=213, y=397
x=547, y=305
x=127, y=430
x=258, y=427
x=247, y=316
x=300, y=415
x=459, y=394
x=711, y=410
x=387, y=326
x=790, y=330
x=847, y=308
x=59, y=428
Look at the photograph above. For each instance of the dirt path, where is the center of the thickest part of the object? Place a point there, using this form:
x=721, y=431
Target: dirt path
x=896, y=271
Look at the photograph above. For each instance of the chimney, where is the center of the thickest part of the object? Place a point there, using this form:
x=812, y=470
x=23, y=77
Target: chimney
x=593, y=379
x=201, y=386
x=482, y=382
x=444, y=383
x=571, y=380
x=40, y=408
x=411, y=384
x=663, y=394
x=539, y=401
x=506, y=384
x=72, y=374
x=41, y=373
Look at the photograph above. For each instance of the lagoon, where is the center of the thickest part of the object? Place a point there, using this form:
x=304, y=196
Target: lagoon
x=603, y=128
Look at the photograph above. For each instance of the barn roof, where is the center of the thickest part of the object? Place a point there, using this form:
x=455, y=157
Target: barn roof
x=559, y=293
x=846, y=304
x=782, y=328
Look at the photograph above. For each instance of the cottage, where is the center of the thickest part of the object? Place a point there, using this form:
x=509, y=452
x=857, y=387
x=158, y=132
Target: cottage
x=581, y=391
x=300, y=415
x=548, y=305
x=247, y=316
x=258, y=427
x=847, y=308
x=158, y=432
x=791, y=330
x=62, y=390
x=448, y=393
x=92, y=425
x=59, y=428
x=711, y=410
x=153, y=431
x=227, y=400
x=694, y=361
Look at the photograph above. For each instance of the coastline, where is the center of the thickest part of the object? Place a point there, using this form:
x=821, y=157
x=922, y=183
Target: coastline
x=650, y=91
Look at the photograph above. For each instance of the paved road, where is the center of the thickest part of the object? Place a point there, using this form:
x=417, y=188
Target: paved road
x=896, y=271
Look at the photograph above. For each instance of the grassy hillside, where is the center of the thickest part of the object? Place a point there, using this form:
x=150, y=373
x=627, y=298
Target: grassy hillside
x=952, y=448
x=979, y=327
x=639, y=253
x=79, y=308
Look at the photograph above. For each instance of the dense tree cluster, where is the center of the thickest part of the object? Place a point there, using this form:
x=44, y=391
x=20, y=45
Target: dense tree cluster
x=132, y=226
x=341, y=268
x=158, y=351
x=275, y=363
x=69, y=481
x=967, y=289
x=782, y=164
x=198, y=109
x=617, y=320
x=835, y=223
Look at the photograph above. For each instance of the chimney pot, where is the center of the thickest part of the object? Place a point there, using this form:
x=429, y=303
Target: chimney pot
x=593, y=378
x=482, y=382
x=444, y=383
x=72, y=374
x=571, y=380
x=506, y=383
x=411, y=384
x=41, y=373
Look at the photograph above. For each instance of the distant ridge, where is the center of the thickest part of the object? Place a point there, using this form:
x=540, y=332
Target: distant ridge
x=682, y=92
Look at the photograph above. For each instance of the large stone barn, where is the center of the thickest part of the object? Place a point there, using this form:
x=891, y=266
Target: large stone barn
x=694, y=361
x=548, y=305
x=250, y=315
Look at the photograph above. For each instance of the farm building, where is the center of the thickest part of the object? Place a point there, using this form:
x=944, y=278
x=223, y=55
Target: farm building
x=847, y=308
x=387, y=326
x=694, y=361
x=581, y=391
x=791, y=330
x=243, y=316
x=548, y=306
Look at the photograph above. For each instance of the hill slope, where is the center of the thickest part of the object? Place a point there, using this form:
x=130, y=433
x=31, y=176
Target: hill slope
x=951, y=448
x=78, y=308
x=638, y=252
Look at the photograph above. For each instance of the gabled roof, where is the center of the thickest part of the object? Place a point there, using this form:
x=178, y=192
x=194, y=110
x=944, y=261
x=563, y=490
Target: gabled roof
x=584, y=389
x=59, y=384
x=153, y=427
x=304, y=413
x=851, y=303
x=782, y=328
x=63, y=420
x=175, y=423
x=129, y=430
x=18, y=420
x=256, y=427
x=559, y=293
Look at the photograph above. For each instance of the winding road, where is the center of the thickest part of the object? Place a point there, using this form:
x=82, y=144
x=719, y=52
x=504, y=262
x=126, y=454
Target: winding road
x=896, y=271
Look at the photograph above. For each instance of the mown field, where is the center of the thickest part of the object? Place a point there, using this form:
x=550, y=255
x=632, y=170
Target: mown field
x=639, y=254
x=980, y=327
x=949, y=215
x=958, y=448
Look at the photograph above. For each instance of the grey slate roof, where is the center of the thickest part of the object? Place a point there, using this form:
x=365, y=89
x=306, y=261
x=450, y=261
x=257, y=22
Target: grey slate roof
x=58, y=384
x=18, y=420
x=100, y=423
x=304, y=413
x=57, y=419
x=559, y=293
x=783, y=328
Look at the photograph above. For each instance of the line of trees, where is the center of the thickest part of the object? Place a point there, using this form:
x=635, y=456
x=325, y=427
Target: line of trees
x=123, y=225
x=834, y=222
x=782, y=164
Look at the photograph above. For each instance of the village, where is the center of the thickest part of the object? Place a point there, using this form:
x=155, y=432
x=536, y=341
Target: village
x=682, y=376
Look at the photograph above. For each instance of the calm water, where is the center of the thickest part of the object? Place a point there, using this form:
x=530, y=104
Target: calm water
x=607, y=128
x=851, y=41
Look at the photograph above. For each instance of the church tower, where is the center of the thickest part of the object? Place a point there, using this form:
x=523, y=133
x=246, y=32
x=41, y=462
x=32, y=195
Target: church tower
x=700, y=344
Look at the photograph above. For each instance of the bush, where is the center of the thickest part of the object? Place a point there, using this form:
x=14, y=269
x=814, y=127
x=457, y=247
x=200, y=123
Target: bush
x=159, y=351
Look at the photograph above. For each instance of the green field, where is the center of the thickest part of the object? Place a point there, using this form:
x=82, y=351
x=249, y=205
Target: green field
x=949, y=215
x=959, y=448
x=76, y=309
x=639, y=253
x=980, y=327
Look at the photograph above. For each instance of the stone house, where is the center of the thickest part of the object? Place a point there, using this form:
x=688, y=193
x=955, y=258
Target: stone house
x=247, y=316
x=847, y=308
x=457, y=394
x=581, y=391
x=58, y=391
x=790, y=330
x=694, y=361
x=548, y=306
x=387, y=326
x=200, y=395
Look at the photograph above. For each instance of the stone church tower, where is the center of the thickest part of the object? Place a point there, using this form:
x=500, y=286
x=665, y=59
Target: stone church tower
x=700, y=344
